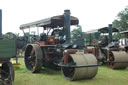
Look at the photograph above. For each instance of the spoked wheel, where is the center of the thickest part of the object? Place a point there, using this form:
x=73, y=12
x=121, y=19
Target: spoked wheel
x=7, y=74
x=118, y=59
x=2, y=82
x=33, y=58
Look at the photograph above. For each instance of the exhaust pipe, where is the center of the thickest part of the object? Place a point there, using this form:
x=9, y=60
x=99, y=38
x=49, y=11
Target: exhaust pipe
x=67, y=25
x=110, y=33
x=0, y=24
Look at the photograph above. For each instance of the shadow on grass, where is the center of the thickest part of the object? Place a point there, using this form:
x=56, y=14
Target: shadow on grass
x=49, y=71
x=21, y=70
x=43, y=71
x=121, y=70
x=81, y=81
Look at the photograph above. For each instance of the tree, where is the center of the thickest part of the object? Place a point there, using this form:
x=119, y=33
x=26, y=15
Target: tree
x=10, y=35
x=77, y=33
x=122, y=20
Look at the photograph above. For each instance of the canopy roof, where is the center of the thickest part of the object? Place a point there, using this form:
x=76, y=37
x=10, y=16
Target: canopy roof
x=124, y=32
x=102, y=30
x=92, y=31
x=50, y=22
x=105, y=30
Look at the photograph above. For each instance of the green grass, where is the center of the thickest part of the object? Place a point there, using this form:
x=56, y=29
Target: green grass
x=105, y=76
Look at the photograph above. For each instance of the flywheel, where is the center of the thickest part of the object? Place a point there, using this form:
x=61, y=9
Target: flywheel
x=33, y=58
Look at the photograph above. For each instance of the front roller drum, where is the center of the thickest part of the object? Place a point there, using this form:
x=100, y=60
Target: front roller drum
x=72, y=73
x=33, y=58
x=118, y=59
x=6, y=73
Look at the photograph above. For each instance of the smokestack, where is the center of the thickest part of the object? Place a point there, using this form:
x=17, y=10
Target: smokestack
x=0, y=24
x=110, y=33
x=67, y=24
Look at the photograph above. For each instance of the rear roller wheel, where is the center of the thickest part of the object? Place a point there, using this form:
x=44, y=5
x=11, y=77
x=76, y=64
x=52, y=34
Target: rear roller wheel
x=33, y=58
x=118, y=59
x=7, y=73
x=72, y=73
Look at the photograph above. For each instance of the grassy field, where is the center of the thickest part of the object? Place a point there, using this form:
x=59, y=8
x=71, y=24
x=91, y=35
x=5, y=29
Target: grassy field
x=105, y=76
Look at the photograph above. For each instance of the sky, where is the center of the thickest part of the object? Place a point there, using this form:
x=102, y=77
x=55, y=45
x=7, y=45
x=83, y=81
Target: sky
x=92, y=14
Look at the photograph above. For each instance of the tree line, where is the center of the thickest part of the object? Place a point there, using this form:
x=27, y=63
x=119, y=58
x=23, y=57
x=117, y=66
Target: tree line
x=121, y=23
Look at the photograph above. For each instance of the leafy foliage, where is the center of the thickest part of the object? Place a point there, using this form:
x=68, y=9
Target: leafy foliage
x=77, y=32
x=122, y=20
x=10, y=35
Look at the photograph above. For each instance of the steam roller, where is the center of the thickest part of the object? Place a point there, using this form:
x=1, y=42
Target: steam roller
x=118, y=60
x=107, y=49
x=55, y=50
